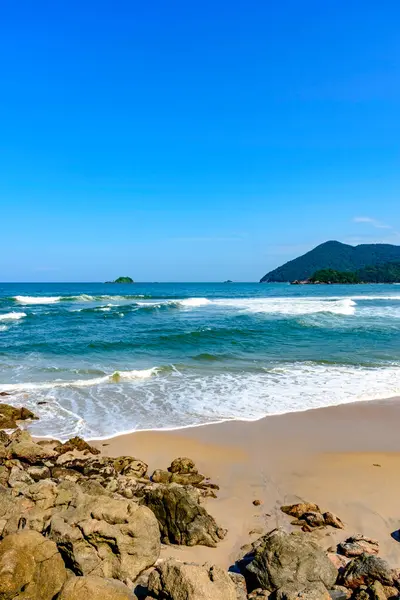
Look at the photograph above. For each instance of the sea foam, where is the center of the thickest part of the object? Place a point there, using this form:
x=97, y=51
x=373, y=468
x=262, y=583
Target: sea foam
x=179, y=399
x=194, y=302
x=12, y=316
x=291, y=305
x=37, y=299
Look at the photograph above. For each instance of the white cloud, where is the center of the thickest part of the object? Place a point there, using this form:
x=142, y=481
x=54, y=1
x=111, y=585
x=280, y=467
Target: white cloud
x=373, y=222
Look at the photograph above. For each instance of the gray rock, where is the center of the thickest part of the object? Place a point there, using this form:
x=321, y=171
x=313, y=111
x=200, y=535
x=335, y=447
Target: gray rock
x=365, y=570
x=283, y=559
x=181, y=518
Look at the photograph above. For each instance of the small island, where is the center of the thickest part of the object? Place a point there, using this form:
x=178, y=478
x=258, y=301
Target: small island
x=122, y=280
x=385, y=273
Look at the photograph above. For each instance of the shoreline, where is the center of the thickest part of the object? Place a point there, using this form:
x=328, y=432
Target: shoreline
x=233, y=420
x=346, y=458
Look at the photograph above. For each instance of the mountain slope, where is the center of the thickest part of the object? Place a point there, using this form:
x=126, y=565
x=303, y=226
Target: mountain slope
x=334, y=255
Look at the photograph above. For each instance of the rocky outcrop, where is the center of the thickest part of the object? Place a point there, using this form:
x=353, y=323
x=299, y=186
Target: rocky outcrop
x=283, y=559
x=181, y=518
x=104, y=536
x=309, y=516
x=173, y=580
x=95, y=588
x=76, y=443
x=356, y=545
x=298, y=510
x=65, y=510
x=9, y=416
x=96, y=534
x=30, y=452
x=183, y=471
x=101, y=467
x=365, y=570
x=31, y=567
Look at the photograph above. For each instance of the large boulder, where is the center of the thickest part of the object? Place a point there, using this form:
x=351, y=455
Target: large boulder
x=100, y=535
x=282, y=559
x=95, y=588
x=30, y=452
x=31, y=567
x=365, y=570
x=173, y=580
x=9, y=416
x=95, y=533
x=181, y=518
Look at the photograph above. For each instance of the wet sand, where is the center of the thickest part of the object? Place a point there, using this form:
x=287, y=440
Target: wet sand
x=345, y=458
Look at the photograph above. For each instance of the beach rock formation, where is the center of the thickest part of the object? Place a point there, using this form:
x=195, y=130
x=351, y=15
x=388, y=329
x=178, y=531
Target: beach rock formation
x=30, y=452
x=31, y=567
x=95, y=588
x=333, y=520
x=95, y=534
x=309, y=516
x=9, y=416
x=183, y=471
x=99, y=535
x=181, y=518
x=75, y=443
x=356, y=545
x=282, y=559
x=173, y=580
x=365, y=570
x=75, y=524
x=298, y=510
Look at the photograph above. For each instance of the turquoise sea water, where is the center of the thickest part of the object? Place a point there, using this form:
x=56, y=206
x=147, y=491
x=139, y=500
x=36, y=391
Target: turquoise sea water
x=97, y=360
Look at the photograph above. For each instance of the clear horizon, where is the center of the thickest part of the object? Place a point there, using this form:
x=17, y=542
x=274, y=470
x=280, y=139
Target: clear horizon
x=194, y=143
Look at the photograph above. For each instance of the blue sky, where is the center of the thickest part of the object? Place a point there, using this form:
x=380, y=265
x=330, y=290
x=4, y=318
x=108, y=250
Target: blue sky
x=194, y=141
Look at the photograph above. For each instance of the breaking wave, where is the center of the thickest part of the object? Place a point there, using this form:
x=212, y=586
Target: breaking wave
x=37, y=299
x=291, y=306
x=116, y=377
x=12, y=316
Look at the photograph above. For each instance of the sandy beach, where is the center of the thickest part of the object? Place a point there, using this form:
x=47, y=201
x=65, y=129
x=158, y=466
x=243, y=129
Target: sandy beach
x=345, y=458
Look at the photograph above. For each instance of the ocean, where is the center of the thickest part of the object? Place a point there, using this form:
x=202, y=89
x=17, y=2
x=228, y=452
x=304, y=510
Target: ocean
x=97, y=360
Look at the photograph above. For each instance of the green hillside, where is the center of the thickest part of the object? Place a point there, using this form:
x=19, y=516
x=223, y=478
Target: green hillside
x=337, y=256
